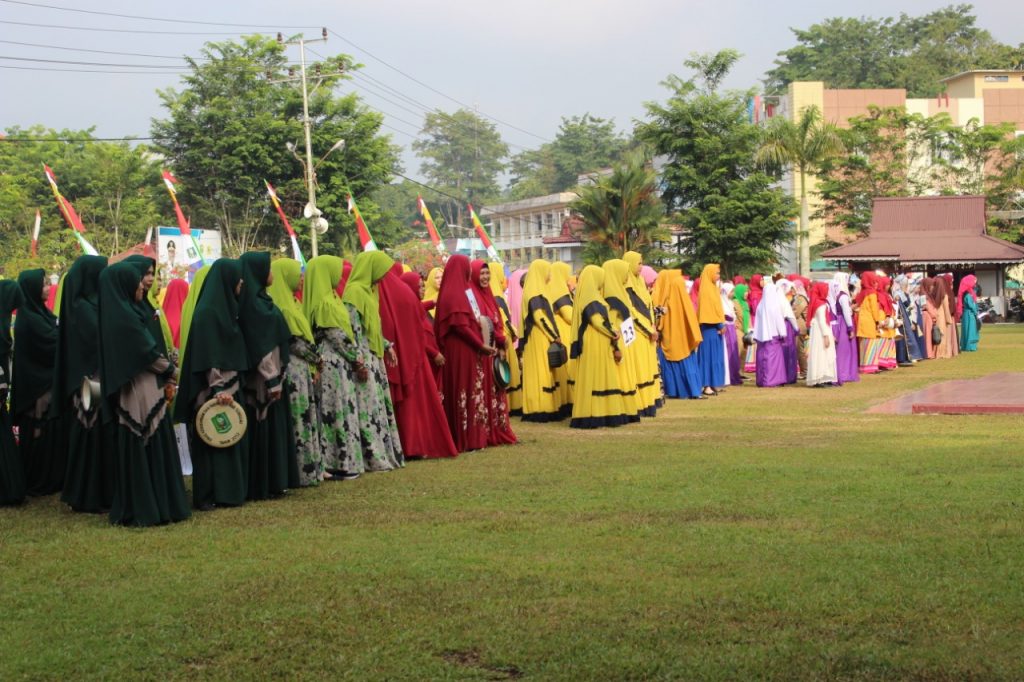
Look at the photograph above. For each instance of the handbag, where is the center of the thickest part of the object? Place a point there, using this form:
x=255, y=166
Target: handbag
x=557, y=355
x=936, y=335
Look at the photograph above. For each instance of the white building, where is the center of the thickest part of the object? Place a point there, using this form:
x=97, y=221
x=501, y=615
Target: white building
x=539, y=227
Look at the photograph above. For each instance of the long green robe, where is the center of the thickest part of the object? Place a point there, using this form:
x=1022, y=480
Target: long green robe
x=12, y=474
x=970, y=330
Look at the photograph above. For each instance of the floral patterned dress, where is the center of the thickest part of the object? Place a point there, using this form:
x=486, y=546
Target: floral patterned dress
x=309, y=448
x=378, y=430
x=336, y=395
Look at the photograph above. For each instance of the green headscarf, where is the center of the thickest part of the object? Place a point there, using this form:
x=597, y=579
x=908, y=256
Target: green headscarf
x=368, y=268
x=127, y=347
x=10, y=300
x=262, y=323
x=215, y=337
x=287, y=280
x=188, y=309
x=35, y=339
x=78, y=342
x=320, y=301
x=740, y=294
x=150, y=305
x=60, y=294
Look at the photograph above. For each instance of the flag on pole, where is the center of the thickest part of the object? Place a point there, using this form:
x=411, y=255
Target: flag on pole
x=364, y=234
x=491, y=251
x=184, y=226
x=87, y=248
x=66, y=209
x=296, y=251
x=431, y=230
x=35, y=234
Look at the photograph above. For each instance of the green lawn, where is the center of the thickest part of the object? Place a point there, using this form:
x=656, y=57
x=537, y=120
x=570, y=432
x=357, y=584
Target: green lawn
x=766, y=533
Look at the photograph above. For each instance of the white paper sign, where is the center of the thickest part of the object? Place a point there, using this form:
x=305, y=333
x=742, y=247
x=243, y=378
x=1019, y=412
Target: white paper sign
x=628, y=331
x=181, y=435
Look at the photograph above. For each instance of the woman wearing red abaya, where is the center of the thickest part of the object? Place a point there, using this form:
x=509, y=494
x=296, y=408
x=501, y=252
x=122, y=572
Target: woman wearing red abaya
x=422, y=426
x=499, y=429
x=416, y=285
x=462, y=377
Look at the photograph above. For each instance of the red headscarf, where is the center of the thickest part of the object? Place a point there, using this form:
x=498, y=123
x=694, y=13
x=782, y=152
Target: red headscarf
x=756, y=292
x=177, y=290
x=51, y=296
x=346, y=270
x=399, y=309
x=695, y=294
x=485, y=299
x=884, y=298
x=453, y=308
x=819, y=297
x=868, y=286
x=739, y=279
x=966, y=287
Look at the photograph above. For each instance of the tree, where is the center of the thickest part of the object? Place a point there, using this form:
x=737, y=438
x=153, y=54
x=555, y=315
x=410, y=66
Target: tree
x=228, y=129
x=462, y=154
x=620, y=210
x=906, y=52
x=711, y=184
x=802, y=145
x=583, y=143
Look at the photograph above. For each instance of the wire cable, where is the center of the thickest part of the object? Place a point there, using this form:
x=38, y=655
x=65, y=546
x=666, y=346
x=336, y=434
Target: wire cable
x=43, y=68
x=77, y=63
x=82, y=49
x=145, y=18
x=126, y=30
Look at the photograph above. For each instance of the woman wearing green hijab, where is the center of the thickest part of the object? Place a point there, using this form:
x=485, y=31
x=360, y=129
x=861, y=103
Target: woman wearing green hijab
x=301, y=373
x=382, y=448
x=12, y=474
x=214, y=363
x=271, y=446
x=89, y=478
x=341, y=368
x=39, y=436
x=150, y=305
x=148, y=486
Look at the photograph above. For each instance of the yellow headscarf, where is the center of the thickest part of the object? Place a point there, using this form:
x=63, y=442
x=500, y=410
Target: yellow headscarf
x=590, y=289
x=636, y=282
x=536, y=285
x=680, y=331
x=709, y=301
x=430, y=293
x=661, y=286
x=498, y=280
x=558, y=286
x=188, y=308
x=616, y=273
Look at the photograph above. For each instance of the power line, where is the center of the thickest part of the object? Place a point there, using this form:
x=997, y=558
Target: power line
x=145, y=18
x=82, y=49
x=77, y=63
x=432, y=89
x=127, y=30
x=43, y=68
x=74, y=139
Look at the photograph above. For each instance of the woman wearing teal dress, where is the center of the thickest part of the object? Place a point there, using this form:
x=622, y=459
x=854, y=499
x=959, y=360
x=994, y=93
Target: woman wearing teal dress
x=967, y=312
x=12, y=475
x=271, y=445
x=134, y=377
x=90, y=440
x=301, y=373
x=382, y=448
x=35, y=351
x=213, y=367
x=341, y=368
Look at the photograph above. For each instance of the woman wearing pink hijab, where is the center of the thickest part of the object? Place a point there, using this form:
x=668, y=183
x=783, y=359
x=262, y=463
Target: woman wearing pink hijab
x=514, y=298
x=967, y=311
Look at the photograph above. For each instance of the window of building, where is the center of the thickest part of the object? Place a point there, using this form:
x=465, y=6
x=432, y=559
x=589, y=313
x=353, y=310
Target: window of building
x=997, y=79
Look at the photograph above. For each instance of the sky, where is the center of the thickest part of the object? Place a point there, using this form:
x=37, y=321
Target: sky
x=526, y=63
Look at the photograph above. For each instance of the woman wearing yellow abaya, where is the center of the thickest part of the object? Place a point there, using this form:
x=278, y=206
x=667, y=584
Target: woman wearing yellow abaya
x=648, y=372
x=540, y=387
x=616, y=274
x=561, y=305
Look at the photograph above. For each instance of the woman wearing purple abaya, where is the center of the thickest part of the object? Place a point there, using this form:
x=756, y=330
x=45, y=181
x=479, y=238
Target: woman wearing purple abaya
x=732, y=345
x=790, y=348
x=843, y=329
x=770, y=331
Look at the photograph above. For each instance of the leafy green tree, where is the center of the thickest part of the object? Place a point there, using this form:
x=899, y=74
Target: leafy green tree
x=711, y=184
x=583, y=143
x=802, y=145
x=462, y=154
x=904, y=52
x=230, y=126
x=620, y=210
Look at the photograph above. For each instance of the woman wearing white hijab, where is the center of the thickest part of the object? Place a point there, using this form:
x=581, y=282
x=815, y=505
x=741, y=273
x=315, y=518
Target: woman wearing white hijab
x=770, y=331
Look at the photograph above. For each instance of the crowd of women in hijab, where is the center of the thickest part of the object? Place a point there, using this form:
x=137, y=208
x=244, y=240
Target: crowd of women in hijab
x=343, y=369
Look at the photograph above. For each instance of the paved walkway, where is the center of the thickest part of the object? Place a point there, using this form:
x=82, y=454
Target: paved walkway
x=1001, y=393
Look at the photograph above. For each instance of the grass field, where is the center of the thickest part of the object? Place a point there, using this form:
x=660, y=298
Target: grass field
x=766, y=533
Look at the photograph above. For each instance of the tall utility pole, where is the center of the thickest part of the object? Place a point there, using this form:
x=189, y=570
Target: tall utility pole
x=311, y=211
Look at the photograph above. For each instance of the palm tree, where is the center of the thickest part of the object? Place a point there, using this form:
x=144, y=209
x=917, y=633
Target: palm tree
x=621, y=211
x=803, y=145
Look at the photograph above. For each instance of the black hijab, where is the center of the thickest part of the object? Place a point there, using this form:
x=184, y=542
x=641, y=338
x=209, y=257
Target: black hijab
x=78, y=344
x=126, y=345
x=35, y=338
x=263, y=325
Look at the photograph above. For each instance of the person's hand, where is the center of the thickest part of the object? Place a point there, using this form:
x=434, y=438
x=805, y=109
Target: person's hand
x=439, y=360
x=721, y=331
x=362, y=374
x=617, y=354
x=316, y=376
x=655, y=337
x=501, y=353
x=170, y=390
x=276, y=394
x=851, y=334
x=224, y=398
x=390, y=356
x=487, y=350
x=828, y=342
